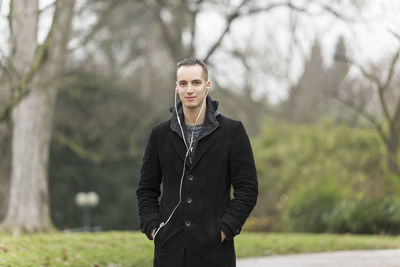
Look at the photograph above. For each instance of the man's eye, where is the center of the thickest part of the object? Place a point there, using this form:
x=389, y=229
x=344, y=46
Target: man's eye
x=182, y=84
x=197, y=83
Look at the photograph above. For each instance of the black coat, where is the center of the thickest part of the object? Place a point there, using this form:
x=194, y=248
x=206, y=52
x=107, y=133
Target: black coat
x=223, y=157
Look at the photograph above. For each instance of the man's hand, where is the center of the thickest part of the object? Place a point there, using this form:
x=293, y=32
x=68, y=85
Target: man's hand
x=223, y=236
x=153, y=233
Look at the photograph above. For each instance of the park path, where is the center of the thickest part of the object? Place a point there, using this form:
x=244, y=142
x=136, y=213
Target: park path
x=356, y=258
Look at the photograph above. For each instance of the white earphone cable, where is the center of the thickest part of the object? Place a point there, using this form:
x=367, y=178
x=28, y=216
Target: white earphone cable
x=162, y=224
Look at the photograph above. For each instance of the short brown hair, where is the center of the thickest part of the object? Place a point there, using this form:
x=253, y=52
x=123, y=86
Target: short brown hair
x=194, y=61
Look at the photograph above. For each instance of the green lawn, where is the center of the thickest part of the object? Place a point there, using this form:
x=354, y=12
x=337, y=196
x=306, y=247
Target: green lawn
x=134, y=249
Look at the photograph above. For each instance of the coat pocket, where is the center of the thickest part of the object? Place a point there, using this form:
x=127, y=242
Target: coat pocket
x=218, y=235
x=158, y=238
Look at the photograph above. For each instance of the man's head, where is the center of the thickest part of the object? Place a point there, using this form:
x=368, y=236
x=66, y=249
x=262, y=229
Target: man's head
x=191, y=61
x=192, y=82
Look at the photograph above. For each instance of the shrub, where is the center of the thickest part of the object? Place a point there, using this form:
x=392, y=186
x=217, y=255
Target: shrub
x=309, y=205
x=366, y=216
x=306, y=171
x=259, y=224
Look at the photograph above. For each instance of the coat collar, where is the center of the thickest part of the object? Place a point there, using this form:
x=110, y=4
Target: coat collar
x=210, y=125
x=210, y=119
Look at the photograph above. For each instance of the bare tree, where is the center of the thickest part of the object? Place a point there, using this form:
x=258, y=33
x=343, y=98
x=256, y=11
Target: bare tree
x=38, y=68
x=387, y=127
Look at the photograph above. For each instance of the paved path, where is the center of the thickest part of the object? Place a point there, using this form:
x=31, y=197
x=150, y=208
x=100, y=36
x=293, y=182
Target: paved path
x=359, y=258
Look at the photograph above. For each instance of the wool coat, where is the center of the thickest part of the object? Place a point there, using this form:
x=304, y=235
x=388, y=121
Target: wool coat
x=223, y=159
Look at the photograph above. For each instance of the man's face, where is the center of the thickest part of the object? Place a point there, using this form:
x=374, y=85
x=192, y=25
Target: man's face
x=191, y=86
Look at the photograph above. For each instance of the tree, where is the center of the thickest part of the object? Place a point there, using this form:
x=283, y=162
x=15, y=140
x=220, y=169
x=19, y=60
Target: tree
x=387, y=121
x=5, y=155
x=38, y=68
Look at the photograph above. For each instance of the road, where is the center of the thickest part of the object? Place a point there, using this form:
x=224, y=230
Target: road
x=358, y=258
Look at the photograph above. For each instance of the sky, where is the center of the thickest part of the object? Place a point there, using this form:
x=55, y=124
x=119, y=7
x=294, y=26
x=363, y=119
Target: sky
x=367, y=39
x=266, y=35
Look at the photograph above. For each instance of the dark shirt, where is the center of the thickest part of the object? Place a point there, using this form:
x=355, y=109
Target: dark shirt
x=189, y=129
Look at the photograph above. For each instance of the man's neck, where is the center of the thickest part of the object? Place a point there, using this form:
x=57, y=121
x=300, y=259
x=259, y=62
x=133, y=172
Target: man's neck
x=190, y=115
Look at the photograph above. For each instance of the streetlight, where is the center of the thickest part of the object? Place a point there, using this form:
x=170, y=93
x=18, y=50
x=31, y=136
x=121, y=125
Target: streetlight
x=86, y=201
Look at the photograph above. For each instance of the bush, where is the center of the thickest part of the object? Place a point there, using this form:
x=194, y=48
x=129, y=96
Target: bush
x=366, y=216
x=309, y=205
x=259, y=224
x=306, y=171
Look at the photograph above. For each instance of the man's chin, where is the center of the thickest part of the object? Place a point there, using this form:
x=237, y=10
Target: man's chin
x=191, y=105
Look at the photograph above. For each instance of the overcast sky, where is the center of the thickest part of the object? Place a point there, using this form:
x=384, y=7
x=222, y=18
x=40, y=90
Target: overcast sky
x=367, y=38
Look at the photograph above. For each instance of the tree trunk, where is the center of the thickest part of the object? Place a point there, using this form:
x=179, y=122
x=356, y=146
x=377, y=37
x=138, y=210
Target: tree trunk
x=5, y=158
x=23, y=22
x=28, y=209
x=393, y=151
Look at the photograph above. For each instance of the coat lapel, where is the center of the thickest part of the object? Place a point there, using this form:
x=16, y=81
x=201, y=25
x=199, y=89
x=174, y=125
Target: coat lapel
x=202, y=147
x=178, y=143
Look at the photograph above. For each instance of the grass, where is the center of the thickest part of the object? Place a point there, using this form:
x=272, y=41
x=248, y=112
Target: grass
x=252, y=244
x=133, y=249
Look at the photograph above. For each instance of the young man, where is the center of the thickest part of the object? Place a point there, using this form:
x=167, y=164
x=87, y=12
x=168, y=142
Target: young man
x=197, y=155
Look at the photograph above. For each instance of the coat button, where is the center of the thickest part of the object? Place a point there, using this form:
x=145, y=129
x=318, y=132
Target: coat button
x=190, y=177
x=187, y=223
x=188, y=200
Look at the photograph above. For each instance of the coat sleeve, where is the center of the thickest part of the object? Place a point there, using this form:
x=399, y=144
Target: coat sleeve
x=244, y=182
x=148, y=190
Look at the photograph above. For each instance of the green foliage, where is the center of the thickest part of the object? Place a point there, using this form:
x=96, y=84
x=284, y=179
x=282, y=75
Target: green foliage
x=309, y=204
x=106, y=126
x=259, y=224
x=306, y=171
x=366, y=216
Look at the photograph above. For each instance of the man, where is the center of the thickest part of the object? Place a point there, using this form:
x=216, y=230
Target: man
x=197, y=155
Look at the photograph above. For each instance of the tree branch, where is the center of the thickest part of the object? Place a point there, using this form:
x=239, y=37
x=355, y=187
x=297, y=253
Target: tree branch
x=164, y=28
x=229, y=21
x=363, y=71
x=24, y=82
x=372, y=78
x=102, y=19
x=9, y=68
x=5, y=113
x=391, y=70
x=94, y=157
x=333, y=12
x=385, y=87
x=395, y=34
x=396, y=116
x=48, y=7
x=275, y=5
x=250, y=12
x=193, y=14
x=360, y=110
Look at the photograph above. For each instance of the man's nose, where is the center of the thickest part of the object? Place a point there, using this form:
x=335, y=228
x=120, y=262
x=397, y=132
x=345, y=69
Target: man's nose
x=190, y=88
